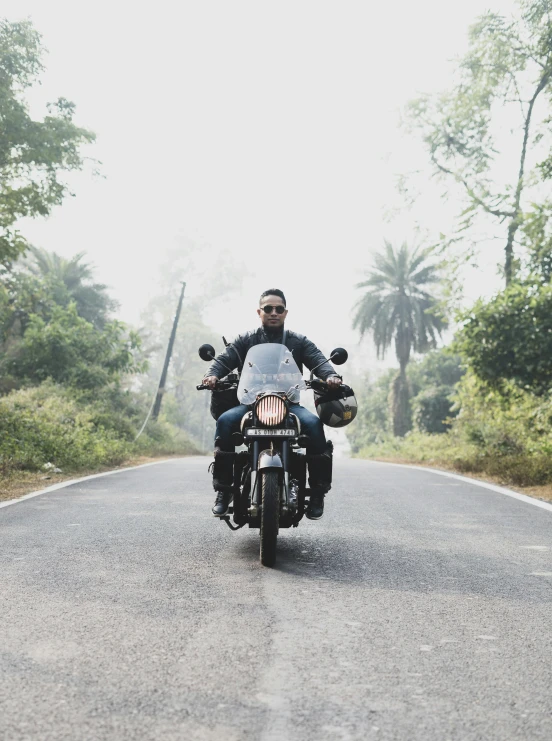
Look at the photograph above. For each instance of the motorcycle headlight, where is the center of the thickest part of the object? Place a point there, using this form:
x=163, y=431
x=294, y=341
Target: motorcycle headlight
x=271, y=410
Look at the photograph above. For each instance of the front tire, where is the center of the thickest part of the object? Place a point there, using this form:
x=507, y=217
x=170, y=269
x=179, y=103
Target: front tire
x=270, y=516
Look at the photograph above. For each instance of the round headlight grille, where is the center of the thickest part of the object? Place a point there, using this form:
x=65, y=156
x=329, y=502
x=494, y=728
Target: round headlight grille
x=271, y=410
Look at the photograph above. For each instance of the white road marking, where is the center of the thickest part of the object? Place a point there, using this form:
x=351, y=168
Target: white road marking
x=541, y=573
x=475, y=482
x=535, y=547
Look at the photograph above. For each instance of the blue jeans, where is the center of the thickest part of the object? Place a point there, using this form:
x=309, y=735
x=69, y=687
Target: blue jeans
x=229, y=422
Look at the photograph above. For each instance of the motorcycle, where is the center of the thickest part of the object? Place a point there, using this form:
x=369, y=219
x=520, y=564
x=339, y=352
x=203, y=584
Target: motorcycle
x=269, y=489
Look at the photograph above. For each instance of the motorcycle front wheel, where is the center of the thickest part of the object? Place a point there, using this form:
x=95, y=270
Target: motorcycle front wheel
x=270, y=515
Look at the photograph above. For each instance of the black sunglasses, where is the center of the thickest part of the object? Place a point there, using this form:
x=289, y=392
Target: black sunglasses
x=268, y=309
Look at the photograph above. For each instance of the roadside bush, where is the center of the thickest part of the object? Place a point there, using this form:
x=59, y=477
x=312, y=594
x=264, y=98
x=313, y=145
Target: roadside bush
x=506, y=434
x=164, y=438
x=420, y=447
x=52, y=424
x=509, y=422
x=45, y=425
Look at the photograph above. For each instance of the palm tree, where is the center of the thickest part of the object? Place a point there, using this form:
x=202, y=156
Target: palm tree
x=72, y=280
x=397, y=306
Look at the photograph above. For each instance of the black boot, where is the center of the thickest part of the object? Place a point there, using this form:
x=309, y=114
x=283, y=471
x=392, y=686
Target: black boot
x=223, y=480
x=320, y=480
x=221, y=504
x=315, y=508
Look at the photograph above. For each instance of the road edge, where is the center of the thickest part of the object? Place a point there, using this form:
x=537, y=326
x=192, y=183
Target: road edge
x=468, y=480
x=70, y=482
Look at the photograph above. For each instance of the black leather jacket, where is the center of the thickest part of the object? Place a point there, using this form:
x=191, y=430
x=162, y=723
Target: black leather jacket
x=304, y=352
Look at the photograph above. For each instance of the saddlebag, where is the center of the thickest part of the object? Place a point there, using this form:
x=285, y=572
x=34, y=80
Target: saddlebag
x=222, y=401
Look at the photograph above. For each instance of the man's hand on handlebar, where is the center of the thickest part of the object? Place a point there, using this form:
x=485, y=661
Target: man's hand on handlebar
x=334, y=381
x=212, y=383
x=317, y=384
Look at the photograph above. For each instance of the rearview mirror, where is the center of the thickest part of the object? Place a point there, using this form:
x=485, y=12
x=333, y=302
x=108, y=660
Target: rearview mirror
x=339, y=356
x=207, y=352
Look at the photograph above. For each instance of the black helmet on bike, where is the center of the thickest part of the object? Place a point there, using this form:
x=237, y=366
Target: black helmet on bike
x=336, y=407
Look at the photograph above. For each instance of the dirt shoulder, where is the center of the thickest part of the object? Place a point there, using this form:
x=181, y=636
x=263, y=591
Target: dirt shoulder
x=539, y=492
x=20, y=483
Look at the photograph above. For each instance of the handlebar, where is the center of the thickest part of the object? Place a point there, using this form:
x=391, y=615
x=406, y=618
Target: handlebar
x=316, y=384
x=220, y=386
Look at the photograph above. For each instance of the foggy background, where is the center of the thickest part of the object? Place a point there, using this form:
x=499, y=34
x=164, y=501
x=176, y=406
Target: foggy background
x=265, y=136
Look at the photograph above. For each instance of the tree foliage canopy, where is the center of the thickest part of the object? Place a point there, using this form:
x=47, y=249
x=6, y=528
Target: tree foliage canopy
x=43, y=282
x=510, y=337
x=71, y=351
x=33, y=154
x=537, y=240
x=72, y=280
x=507, y=69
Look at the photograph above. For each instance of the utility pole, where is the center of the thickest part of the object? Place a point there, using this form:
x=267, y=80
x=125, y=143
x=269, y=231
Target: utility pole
x=161, y=389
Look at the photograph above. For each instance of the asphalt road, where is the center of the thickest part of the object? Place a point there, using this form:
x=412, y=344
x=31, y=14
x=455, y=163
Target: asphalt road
x=418, y=608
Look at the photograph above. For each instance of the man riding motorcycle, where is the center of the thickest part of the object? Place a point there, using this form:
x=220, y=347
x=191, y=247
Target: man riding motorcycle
x=272, y=312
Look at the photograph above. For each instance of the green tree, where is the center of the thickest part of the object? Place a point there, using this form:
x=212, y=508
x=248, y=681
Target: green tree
x=37, y=285
x=510, y=338
x=433, y=408
x=537, y=240
x=72, y=280
x=433, y=381
x=71, y=351
x=506, y=72
x=33, y=154
x=21, y=295
x=437, y=368
x=396, y=306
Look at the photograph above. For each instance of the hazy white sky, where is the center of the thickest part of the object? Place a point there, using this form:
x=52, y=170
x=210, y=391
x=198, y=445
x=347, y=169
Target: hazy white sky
x=266, y=128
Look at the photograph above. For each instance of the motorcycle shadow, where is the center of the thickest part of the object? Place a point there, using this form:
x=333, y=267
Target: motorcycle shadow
x=379, y=563
x=294, y=551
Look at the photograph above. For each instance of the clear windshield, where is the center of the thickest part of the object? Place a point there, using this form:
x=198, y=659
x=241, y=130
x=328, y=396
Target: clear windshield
x=269, y=367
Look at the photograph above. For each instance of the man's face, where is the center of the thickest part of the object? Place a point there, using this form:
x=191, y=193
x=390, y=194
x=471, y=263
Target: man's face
x=272, y=320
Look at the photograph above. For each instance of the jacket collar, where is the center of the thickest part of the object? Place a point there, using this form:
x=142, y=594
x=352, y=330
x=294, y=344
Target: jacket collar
x=266, y=336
